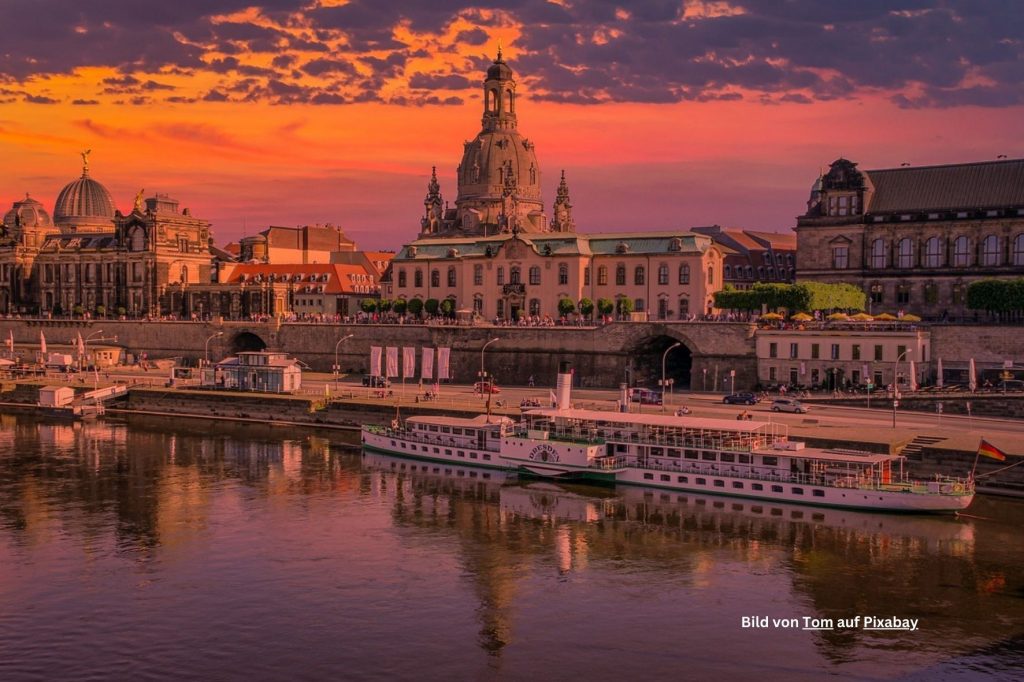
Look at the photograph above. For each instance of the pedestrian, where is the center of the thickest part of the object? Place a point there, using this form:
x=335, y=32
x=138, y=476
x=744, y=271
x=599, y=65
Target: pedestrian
x=531, y=381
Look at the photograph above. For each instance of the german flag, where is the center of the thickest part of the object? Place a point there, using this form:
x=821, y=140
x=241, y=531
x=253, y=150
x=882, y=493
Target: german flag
x=989, y=450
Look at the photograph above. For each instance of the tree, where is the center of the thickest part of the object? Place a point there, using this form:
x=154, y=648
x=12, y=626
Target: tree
x=78, y=310
x=1002, y=297
x=368, y=305
x=101, y=310
x=792, y=297
x=384, y=305
x=415, y=306
x=586, y=307
x=625, y=306
x=448, y=307
x=432, y=305
x=121, y=312
x=605, y=306
x=566, y=306
x=399, y=306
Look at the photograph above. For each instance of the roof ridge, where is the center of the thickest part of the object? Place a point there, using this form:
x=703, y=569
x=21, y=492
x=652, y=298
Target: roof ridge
x=947, y=165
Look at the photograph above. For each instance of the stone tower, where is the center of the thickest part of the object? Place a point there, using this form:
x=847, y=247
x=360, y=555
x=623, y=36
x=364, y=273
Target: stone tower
x=562, y=220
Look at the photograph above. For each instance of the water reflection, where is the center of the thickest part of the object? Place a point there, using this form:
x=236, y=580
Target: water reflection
x=177, y=511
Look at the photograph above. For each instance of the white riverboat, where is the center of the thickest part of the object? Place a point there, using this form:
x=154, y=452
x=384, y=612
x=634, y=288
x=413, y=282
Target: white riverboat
x=752, y=459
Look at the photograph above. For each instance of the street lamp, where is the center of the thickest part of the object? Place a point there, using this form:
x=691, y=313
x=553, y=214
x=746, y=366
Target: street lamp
x=337, y=365
x=483, y=373
x=896, y=384
x=85, y=345
x=212, y=337
x=663, y=357
x=704, y=383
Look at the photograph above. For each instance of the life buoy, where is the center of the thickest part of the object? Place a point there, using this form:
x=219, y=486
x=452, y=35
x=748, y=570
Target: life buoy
x=958, y=487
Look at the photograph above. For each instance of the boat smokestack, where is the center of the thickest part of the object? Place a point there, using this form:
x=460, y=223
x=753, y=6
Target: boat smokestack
x=563, y=389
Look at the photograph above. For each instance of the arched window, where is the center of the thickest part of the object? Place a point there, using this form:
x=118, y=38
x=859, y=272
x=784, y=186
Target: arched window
x=586, y=276
x=602, y=275
x=515, y=277
x=961, y=252
x=711, y=274
x=501, y=275
x=620, y=274
x=184, y=274
x=905, y=251
x=684, y=274
x=957, y=293
x=563, y=274
x=1018, y=250
x=877, y=293
x=639, y=275
x=750, y=272
x=663, y=274
x=508, y=101
x=760, y=272
x=451, y=276
x=478, y=275
x=535, y=275
x=684, y=308
x=435, y=278
x=535, y=306
x=727, y=272
x=933, y=253
x=492, y=100
x=478, y=304
x=417, y=279
x=990, y=250
x=878, y=255
x=638, y=305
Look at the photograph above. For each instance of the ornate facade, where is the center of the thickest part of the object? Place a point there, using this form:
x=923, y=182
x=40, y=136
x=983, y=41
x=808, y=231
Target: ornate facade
x=914, y=238
x=92, y=258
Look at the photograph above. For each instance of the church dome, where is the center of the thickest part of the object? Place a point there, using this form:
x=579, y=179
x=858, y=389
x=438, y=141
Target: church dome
x=84, y=202
x=27, y=213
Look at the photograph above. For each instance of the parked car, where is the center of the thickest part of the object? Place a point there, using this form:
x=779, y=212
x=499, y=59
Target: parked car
x=485, y=387
x=744, y=398
x=376, y=382
x=788, y=405
x=645, y=396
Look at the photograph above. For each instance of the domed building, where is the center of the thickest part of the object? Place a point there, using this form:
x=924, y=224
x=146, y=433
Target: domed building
x=84, y=205
x=499, y=177
x=27, y=213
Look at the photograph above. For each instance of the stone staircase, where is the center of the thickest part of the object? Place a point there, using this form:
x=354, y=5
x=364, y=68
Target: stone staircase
x=912, y=450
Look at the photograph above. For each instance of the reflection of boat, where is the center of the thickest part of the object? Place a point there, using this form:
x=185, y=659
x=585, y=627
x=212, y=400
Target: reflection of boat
x=381, y=462
x=717, y=456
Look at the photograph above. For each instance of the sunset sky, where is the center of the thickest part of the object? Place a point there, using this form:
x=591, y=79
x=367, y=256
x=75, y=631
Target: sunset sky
x=664, y=114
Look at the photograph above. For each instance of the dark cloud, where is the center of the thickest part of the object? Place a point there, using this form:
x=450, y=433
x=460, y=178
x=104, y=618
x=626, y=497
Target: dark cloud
x=923, y=53
x=84, y=101
x=40, y=99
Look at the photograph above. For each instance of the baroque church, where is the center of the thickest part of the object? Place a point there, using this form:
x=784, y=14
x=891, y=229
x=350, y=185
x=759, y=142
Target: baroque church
x=92, y=258
x=498, y=253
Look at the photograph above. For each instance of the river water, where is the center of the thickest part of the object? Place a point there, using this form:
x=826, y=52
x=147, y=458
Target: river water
x=176, y=550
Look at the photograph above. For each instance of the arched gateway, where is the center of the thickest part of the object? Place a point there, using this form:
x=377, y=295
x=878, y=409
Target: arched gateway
x=645, y=363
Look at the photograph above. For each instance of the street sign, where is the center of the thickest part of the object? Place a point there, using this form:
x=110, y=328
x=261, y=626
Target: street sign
x=870, y=386
x=732, y=372
x=1007, y=364
x=895, y=403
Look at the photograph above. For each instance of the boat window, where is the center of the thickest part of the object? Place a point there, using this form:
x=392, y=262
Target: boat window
x=683, y=479
x=436, y=451
x=621, y=447
x=433, y=427
x=796, y=514
x=737, y=484
x=672, y=452
x=776, y=511
x=798, y=491
x=756, y=486
x=744, y=459
x=776, y=488
x=485, y=474
x=392, y=442
x=757, y=510
x=461, y=453
x=648, y=477
x=719, y=484
x=448, y=452
x=666, y=477
x=690, y=454
x=708, y=455
x=472, y=455
x=487, y=456
x=770, y=461
x=728, y=457
x=445, y=429
x=402, y=444
x=657, y=452
x=701, y=481
x=470, y=432
x=818, y=493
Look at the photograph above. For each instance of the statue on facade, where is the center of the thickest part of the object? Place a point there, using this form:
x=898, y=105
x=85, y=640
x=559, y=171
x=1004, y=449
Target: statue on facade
x=138, y=200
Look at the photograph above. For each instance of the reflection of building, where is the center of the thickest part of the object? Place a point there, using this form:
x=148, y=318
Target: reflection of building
x=263, y=371
x=914, y=238
x=92, y=258
x=752, y=257
x=831, y=357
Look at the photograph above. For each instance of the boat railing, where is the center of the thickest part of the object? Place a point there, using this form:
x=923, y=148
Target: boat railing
x=855, y=481
x=418, y=437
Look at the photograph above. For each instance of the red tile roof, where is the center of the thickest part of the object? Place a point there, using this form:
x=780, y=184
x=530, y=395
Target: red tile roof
x=340, y=278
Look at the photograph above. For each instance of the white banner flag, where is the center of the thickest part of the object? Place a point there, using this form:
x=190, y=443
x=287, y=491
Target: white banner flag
x=803, y=368
x=409, y=362
x=443, y=355
x=375, y=353
x=428, y=363
x=392, y=361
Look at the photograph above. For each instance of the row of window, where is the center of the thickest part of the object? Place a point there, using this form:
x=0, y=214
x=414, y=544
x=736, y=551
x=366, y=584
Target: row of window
x=929, y=293
x=736, y=485
x=92, y=272
x=835, y=352
x=747, y=272
x=933, y=254
x=447, y=451
x=515, y=275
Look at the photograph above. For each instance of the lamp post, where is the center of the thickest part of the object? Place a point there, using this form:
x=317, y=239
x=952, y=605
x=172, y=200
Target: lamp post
x=85, y=344
x=664, y=356
x=704, y=384
x=483, y=372
x=896, y=384
x=206, y=353
x=337, y=365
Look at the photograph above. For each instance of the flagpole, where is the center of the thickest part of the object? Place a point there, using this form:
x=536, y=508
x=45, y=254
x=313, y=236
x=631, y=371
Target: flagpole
x=977, y=454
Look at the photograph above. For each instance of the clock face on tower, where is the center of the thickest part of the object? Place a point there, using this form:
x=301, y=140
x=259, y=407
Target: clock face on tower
x=544, y=453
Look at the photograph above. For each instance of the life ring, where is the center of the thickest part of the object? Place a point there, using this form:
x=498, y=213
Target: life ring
x=958, y=488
